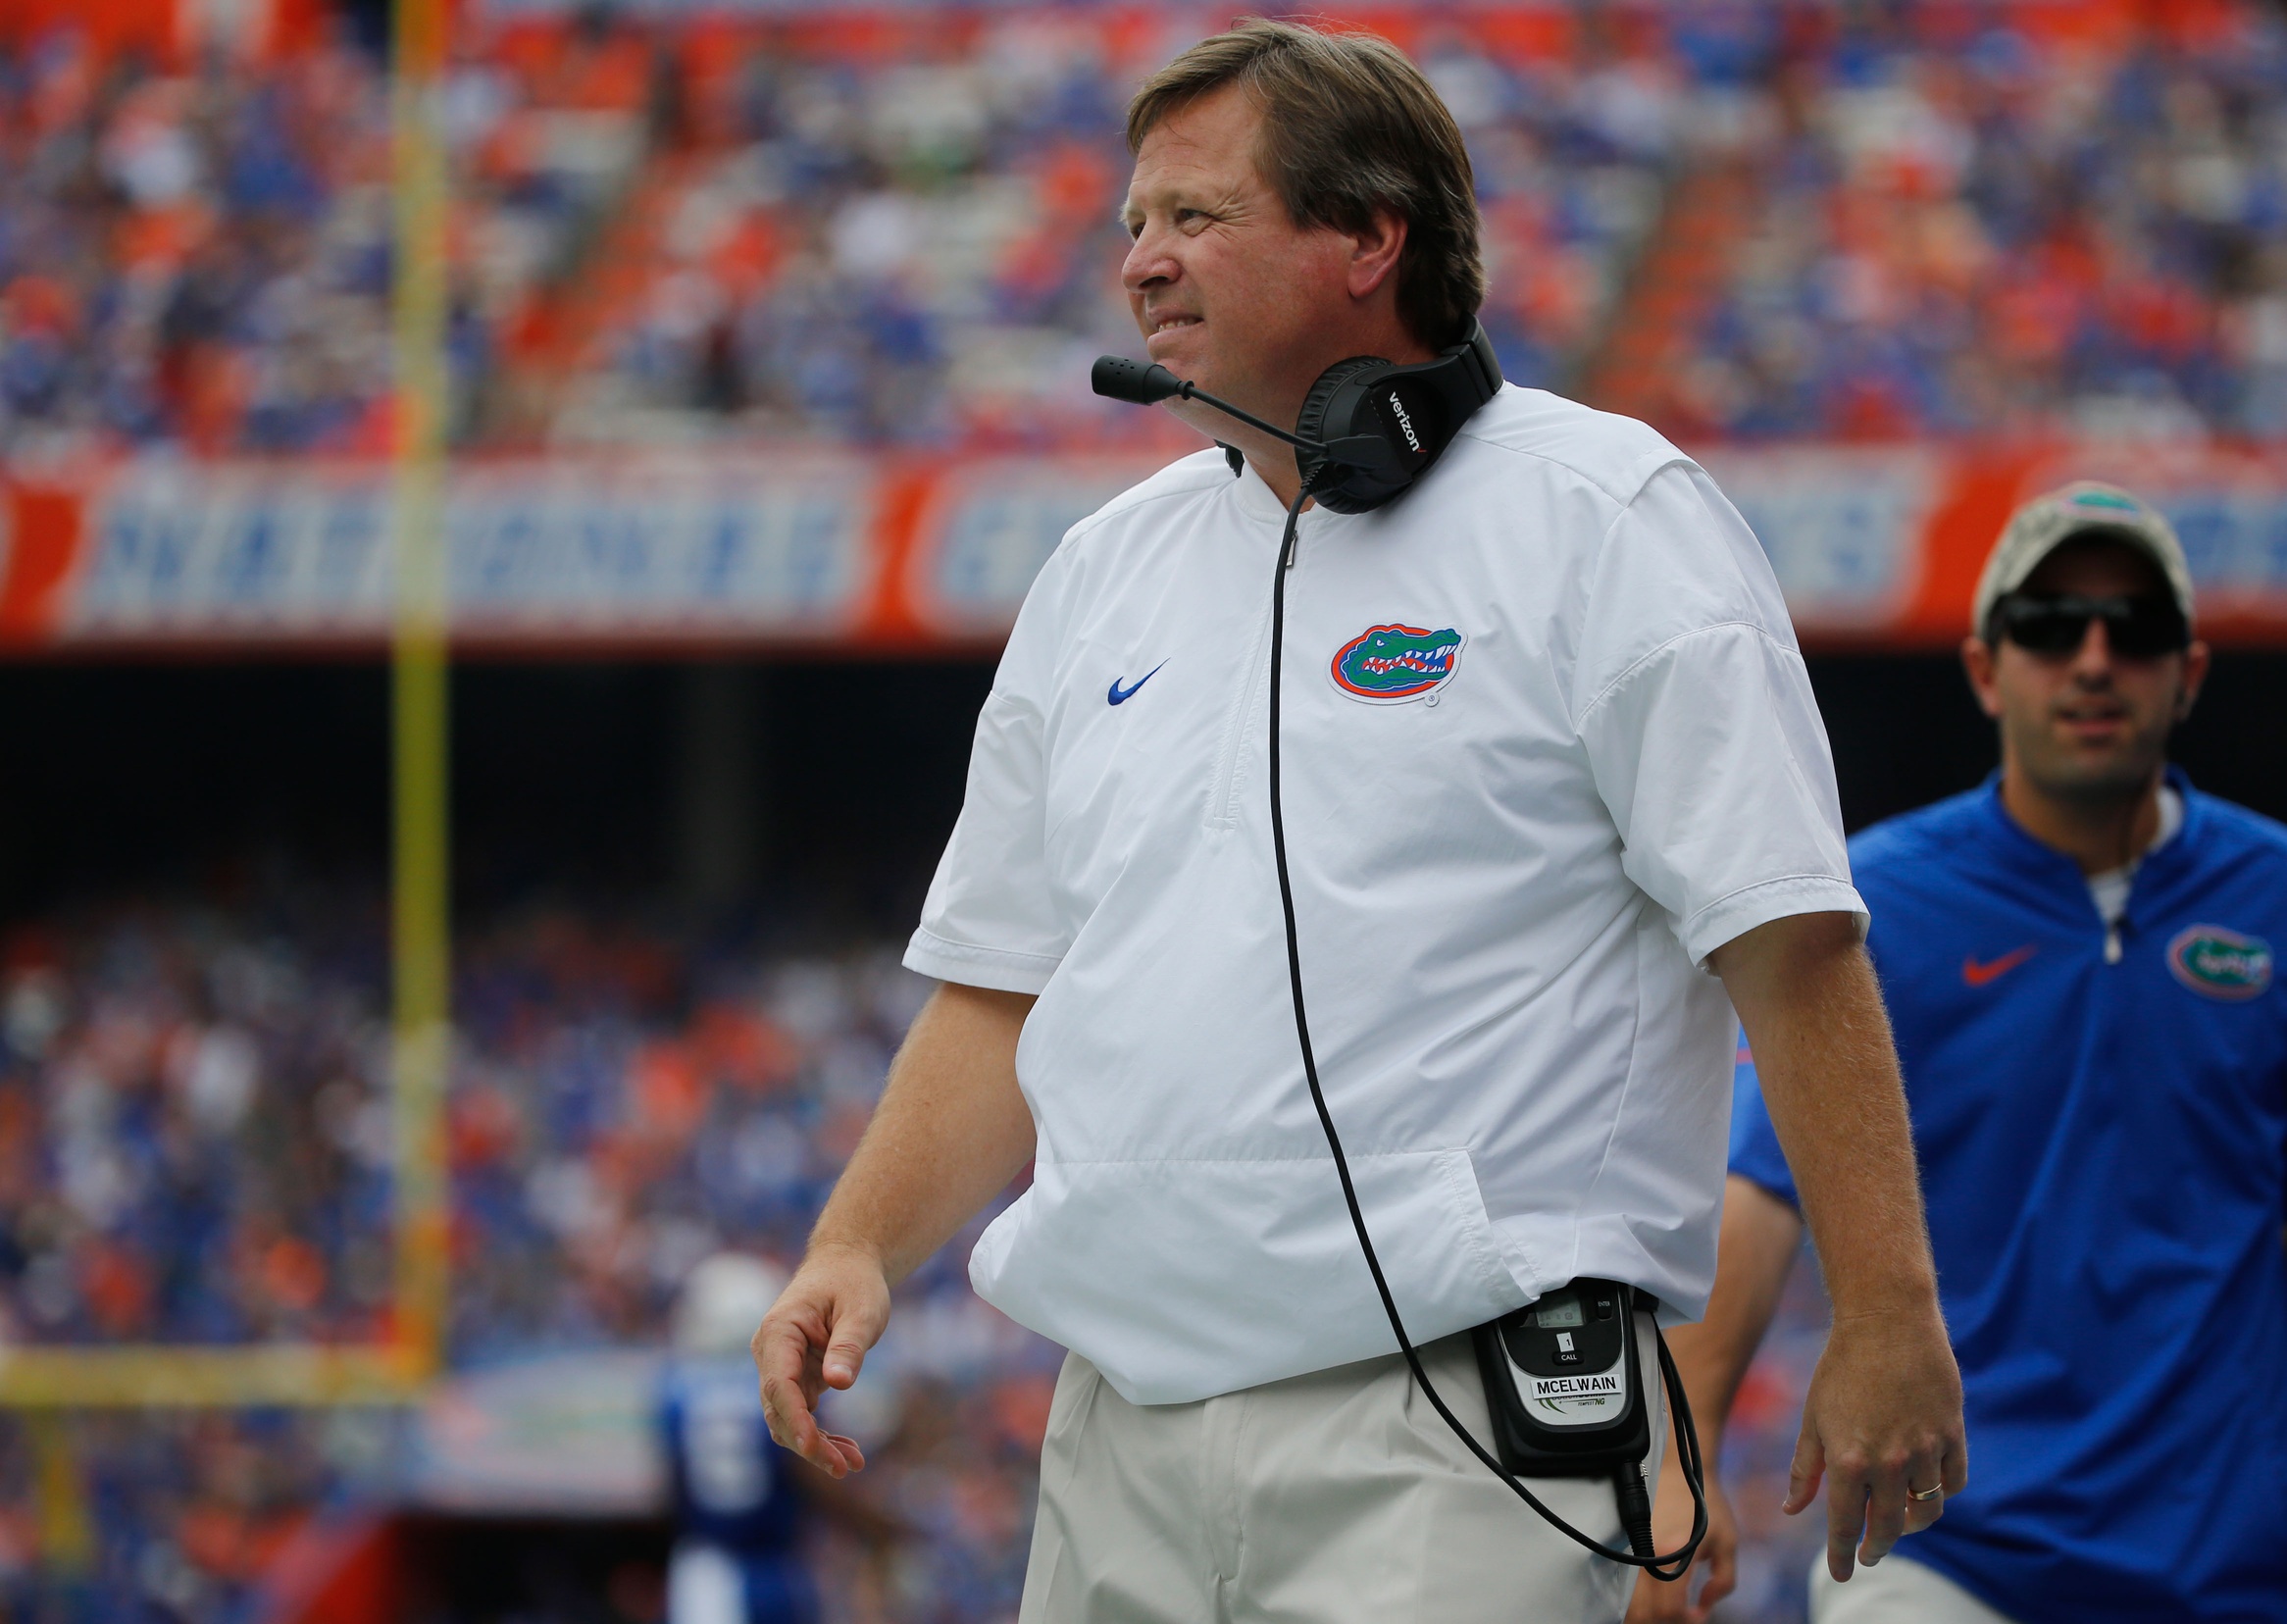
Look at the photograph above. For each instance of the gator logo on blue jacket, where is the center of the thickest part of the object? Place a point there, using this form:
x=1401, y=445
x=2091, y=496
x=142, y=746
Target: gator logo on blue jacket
x=2219, y=963
x=1385, y=664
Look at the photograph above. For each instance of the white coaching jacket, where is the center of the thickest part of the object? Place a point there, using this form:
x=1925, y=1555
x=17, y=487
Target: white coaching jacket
x=1548, y=743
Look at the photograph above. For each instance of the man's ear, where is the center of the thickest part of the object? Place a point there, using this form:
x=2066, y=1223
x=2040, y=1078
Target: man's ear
x=1374, y=252
x=2195, y=674
x=1977, y=661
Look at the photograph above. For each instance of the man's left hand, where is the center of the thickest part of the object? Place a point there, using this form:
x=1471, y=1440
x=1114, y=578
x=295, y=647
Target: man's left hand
x=1882, y=1424
x=1883, y=1420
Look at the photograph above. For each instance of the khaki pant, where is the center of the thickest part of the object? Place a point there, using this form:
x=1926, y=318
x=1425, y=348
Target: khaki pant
x=1895, y=1591
x=1337, y=1498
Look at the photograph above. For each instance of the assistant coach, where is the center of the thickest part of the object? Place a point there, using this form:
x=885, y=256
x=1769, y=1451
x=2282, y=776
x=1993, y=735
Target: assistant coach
x=2080, y=955
x=1523, y=890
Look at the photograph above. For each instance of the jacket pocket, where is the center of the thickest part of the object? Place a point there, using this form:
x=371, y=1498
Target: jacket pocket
x=1180, y=1280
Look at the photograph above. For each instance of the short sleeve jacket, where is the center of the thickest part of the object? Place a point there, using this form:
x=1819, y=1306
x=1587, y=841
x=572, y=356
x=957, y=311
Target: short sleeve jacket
x=1547, y=742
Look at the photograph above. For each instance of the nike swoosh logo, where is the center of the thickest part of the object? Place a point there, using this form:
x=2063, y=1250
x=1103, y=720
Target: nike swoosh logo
x=1119, y=695
x=1982, y=975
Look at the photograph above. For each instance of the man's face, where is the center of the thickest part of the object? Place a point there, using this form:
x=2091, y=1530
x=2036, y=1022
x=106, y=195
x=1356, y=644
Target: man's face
x=1226, y=290
x=2091, y=725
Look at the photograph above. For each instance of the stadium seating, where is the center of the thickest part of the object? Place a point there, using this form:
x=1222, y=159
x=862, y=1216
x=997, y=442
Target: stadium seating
x=197, y=260
x=833, y=227
x=200, y=260
x=194, y=1147
x=924, y=251
x=2041, y=226
x=894, y=229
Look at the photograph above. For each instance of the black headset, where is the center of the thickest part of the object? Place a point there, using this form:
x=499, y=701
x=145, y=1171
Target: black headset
x=1414, y=411
x=1369, y=428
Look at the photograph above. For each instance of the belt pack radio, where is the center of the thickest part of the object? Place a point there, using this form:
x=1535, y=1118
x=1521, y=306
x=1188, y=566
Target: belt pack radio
x=1564, y=1380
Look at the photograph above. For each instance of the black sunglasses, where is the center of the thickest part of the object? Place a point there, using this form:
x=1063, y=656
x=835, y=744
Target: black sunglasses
x=2140, y=628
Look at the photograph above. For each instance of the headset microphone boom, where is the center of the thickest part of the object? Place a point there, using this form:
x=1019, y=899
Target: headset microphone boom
x=1368, y=430
x=1140, y=384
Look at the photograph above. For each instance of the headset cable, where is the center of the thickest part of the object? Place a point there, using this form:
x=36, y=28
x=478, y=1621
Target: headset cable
x=1635, y=1506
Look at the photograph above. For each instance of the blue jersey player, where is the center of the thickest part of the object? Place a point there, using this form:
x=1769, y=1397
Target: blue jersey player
x=2079, y=960
x=738, y=1514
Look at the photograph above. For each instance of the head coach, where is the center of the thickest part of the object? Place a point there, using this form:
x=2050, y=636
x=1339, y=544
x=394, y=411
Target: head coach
x=1553, y=785
x=2079, y=957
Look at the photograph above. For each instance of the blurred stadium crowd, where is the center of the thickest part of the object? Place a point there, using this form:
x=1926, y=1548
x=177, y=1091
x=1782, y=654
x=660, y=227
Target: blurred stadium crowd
x=177, y=1517
x=840, y=228
x=1967, y=233
x=195, y=1139
x=895, y=227
x=195, y=1146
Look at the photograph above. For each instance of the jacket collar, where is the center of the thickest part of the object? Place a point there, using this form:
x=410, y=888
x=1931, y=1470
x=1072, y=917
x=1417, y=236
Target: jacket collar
x=2026, y=858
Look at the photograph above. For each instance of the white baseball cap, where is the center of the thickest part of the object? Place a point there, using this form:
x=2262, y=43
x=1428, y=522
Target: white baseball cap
x=2083, y=508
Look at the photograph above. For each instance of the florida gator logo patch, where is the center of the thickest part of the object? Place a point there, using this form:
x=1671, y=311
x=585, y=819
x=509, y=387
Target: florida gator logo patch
x=2220, y=964
x=1388, y=665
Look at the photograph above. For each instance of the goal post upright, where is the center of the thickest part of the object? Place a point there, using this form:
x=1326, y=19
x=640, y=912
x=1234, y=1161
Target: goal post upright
x=420, y=902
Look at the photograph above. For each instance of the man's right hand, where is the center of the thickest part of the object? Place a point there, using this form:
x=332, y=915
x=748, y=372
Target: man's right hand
x=1714, y=1569
x=815, y=1336
x=951, y=1129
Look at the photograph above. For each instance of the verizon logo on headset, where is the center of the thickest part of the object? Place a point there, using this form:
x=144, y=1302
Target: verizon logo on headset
x=1405, y=423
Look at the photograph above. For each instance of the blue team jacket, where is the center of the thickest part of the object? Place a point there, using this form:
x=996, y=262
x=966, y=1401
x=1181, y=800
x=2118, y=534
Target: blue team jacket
x=2104, y=1152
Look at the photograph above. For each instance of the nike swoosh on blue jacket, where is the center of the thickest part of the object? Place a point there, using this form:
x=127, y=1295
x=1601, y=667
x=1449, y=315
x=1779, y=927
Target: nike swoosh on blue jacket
x=2103, y=1150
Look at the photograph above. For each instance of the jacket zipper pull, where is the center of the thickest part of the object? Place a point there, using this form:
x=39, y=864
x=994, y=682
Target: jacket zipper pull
x=2112, y=942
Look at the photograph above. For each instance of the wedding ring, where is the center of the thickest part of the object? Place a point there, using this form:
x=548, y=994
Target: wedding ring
x=1925, y=1494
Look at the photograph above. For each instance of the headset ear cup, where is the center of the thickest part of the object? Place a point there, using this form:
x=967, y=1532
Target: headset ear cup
x=1312, y=424
x=1322, y=419
x=1425, y=403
